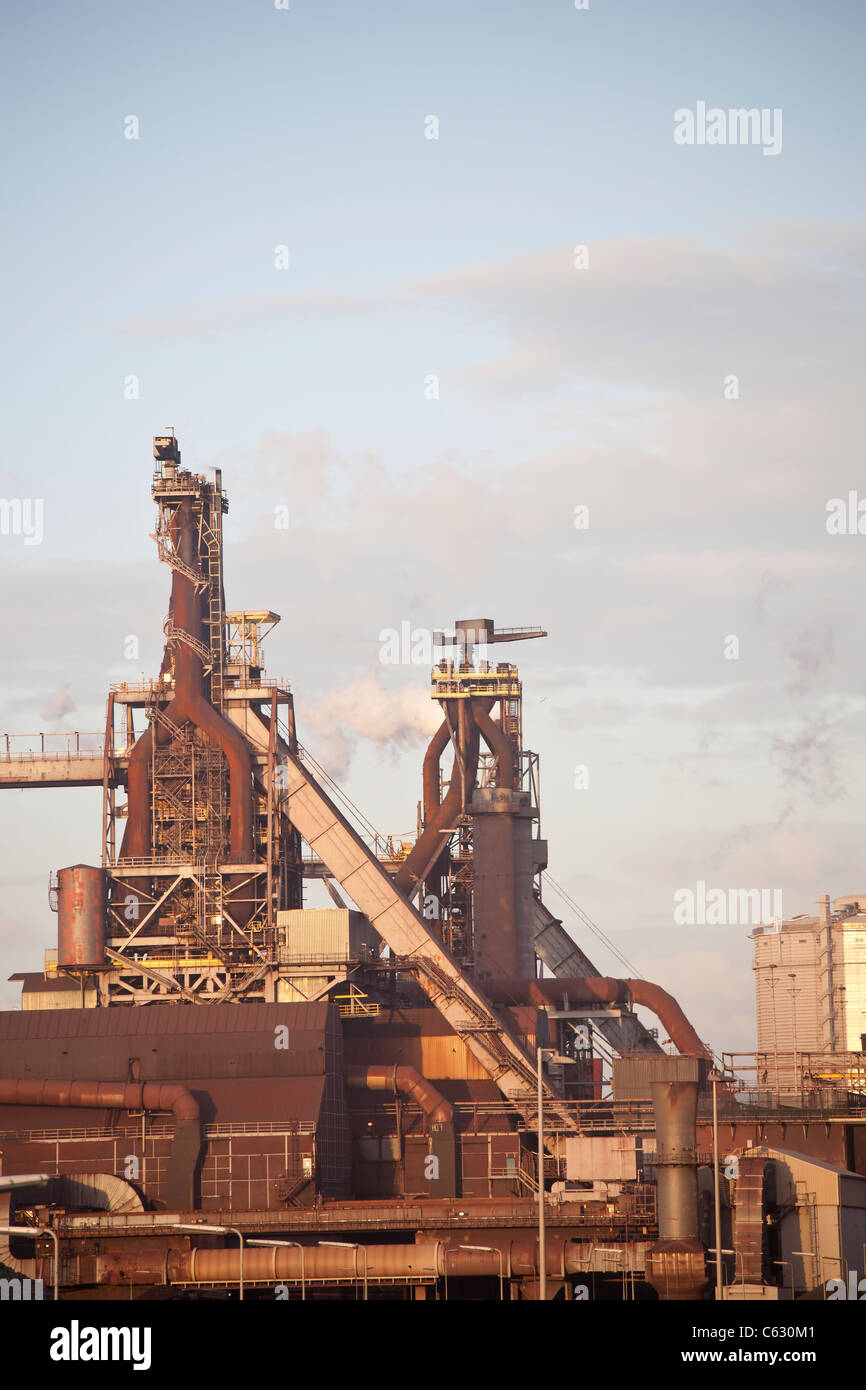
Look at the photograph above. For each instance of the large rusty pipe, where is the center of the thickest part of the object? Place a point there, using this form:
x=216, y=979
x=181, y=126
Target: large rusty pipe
x=128, y=1095
x=445, y=815
x=668, y=1011
x=430, y=770
x=592, y=989
x=675, y=1107
x=675, y=1263
x=499, y=743
x=338, y=1264
x=136, y=836
x=602, y=990
x=189, y=702
x=103, y=1095
x=408, y=1082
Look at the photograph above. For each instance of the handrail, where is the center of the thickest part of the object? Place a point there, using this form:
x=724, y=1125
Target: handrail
x=40, y=751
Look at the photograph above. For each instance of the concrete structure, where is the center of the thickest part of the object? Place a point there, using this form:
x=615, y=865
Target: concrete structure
x=810, y=990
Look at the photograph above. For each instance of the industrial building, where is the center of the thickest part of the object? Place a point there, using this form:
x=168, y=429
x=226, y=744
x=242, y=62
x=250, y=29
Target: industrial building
x=810, y=997
x=214, y=1090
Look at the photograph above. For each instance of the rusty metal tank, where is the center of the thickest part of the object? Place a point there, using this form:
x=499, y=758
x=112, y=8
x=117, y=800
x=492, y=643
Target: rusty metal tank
x=81, y=917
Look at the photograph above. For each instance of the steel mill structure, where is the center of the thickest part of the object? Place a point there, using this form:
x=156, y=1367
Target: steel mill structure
x=212, y=1089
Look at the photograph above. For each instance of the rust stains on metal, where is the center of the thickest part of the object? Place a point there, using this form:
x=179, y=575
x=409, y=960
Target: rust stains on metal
x=409, y=1082
x=599, y=989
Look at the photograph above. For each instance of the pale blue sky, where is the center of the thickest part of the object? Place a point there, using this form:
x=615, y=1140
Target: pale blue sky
x=409, y=257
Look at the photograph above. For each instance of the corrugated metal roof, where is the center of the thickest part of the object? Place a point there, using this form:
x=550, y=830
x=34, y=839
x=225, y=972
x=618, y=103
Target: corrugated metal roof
x=163, y=1020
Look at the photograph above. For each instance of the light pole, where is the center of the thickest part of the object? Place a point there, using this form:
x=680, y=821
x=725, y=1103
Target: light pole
x=297, y=1245
x=715, y=1079
x=350, y=1245
x=40, y=1231
x=542, y=1235
x=541, y=1052
x=490, y=1250
x=221, y=1231
x=793, y=991
x=772, y=983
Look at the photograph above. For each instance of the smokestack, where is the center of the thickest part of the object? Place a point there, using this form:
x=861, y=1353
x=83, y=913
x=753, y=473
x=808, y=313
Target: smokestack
x=675, y=1264
x=824, y=909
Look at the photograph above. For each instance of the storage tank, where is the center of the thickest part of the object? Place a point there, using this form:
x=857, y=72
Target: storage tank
x=81, y=917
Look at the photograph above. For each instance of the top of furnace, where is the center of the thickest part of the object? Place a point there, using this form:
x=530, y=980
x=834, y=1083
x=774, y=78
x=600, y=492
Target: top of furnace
x=471, y=632
x=167, y=451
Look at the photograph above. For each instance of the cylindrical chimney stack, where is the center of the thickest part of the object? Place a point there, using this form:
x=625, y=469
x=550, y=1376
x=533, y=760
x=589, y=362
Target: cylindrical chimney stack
x=676, y=1106
x=676, y=1264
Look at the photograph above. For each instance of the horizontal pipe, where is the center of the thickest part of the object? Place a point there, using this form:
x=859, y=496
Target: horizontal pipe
x=604, y=990
x=103, y=1095
x=128, y=1095
x=342, y=1264
x=590, y=989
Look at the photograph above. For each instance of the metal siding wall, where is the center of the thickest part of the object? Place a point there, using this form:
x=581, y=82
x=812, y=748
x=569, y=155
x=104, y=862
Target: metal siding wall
x=473, y=1166
x=633, y=1076
x=328, y=933
x=787, y=1021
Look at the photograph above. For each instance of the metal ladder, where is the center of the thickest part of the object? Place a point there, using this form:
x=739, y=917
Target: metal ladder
x=211, y=533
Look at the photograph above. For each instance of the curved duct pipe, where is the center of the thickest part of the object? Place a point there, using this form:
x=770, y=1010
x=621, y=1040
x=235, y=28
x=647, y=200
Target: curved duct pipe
x=430, y=770
x=445, y=815
x=499, y=743
x=668, y=1011
x=439, y=1113
x=406, y=1081
x=129, y=1095
x=603, y=990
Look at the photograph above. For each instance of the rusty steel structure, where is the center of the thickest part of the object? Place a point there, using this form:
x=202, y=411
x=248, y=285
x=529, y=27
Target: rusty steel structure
x=357, y=1085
